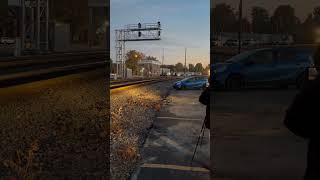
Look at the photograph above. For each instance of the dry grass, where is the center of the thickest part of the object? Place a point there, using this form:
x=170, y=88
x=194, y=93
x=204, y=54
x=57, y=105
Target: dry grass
x=127, y=153
x=116, y=129
x=157, y=107
x=24, y=166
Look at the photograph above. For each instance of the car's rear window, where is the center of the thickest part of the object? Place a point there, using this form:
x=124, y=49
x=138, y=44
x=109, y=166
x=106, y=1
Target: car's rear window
x=294, y=55
x=240, y=56
x=286, y=55
x=202, y=78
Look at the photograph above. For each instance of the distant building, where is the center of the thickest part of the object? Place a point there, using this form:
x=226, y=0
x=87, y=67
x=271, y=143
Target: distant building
x=165, y=71
x=150, y=67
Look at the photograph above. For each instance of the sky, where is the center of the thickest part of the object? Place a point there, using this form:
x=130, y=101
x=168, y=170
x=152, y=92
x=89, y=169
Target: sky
x=184, y=23
x=302, y=7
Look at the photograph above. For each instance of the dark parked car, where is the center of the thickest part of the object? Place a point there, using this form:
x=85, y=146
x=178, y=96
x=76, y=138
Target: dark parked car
x=197, y=82
x=231, y=43
x=249, y=42
x=216, y=42
x=270, y=66
x=7, y=40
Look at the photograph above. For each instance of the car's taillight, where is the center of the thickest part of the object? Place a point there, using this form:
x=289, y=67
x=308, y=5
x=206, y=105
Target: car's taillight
x=311, y=61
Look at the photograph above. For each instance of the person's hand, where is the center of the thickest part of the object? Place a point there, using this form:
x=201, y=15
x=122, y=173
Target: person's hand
x=312, y=73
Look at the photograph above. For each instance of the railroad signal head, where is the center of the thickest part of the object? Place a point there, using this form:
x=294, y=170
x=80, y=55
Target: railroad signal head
x=139, y=25
x=159, y=23
x=159, y=33
x=139, y=34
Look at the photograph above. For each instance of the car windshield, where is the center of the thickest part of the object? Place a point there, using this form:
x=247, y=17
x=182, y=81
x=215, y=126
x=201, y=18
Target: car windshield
x=240, y=56
x=204, y=78
x=185, y=79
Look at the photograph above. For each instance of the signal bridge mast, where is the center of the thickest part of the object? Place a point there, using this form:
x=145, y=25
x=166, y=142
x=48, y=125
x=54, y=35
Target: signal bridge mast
x=133, y=32
x=35, y=24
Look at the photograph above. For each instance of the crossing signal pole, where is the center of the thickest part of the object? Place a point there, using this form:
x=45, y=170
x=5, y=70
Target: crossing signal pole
x=240, y=26
x=162, y=60
x=185, y=61
x=134, y=32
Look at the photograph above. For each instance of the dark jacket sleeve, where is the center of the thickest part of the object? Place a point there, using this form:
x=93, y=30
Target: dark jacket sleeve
x=205, y=97
x=299, y=117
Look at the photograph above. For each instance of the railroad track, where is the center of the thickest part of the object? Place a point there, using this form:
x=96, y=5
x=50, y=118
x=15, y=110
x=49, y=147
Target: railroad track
x=19, y=70
x=116, y=85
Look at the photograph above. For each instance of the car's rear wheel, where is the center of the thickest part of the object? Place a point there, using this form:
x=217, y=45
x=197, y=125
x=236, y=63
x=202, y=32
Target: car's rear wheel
x=183, y=87
x=235, y=82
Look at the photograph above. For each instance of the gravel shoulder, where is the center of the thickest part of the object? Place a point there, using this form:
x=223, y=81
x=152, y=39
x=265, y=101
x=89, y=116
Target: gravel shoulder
x=55, y=129
x=132, y=115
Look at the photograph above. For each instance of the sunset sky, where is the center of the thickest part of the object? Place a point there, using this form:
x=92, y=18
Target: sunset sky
x=185, y=24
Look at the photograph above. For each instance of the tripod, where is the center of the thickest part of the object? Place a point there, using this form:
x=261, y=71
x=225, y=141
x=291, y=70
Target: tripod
x=200, y=139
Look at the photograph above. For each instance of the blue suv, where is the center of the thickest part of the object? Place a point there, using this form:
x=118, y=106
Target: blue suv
x=197, y=82
x=269, y=66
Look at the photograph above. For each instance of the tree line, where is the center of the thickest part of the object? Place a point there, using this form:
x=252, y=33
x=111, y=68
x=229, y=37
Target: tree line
x=282, y=21
x=133, y=56
x=179, y=67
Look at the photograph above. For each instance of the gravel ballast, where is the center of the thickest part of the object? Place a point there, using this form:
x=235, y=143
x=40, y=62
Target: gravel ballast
x=60, y=129
x=55, y=129
x=132, y=115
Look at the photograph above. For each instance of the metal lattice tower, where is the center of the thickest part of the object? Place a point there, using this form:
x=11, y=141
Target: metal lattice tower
x=120, y=52
x=133, y=32
x=35, y=24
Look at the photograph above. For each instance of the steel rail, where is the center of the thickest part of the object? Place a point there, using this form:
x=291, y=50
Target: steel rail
x=139, y=82
x=27, y=69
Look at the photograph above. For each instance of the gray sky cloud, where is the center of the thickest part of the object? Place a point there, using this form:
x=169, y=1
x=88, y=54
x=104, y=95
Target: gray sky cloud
x=302, y=7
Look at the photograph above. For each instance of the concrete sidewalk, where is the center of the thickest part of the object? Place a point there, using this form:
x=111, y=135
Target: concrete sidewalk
x=169, y=147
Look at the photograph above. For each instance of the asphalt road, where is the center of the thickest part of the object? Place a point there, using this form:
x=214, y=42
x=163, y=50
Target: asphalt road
x=251, y=141
x=6, y=50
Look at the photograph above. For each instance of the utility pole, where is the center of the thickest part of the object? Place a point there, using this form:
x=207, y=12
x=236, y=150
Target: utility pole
x=185, y=61
x=47, y=25
x=38, y=25
x=240, y=28
x=162, y=60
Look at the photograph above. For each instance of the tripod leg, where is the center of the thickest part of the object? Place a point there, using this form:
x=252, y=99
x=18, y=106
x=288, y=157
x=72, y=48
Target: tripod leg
x=202, y=135
x=199, y=137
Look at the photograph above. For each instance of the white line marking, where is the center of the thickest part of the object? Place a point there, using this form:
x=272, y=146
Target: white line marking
x=136, y=174
x=174, y=144
x=179, y=118
x=175, y=167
